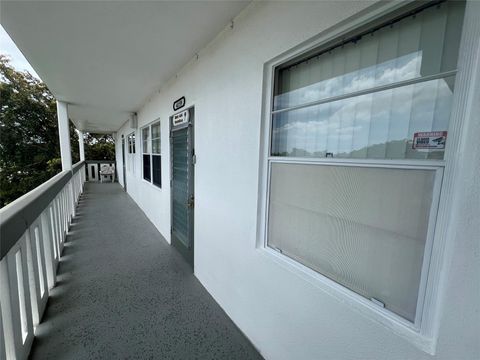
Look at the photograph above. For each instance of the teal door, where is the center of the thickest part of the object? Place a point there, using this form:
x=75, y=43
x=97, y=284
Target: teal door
x=182, y=181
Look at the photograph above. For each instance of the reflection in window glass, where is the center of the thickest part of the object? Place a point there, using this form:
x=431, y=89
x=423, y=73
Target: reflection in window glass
x=145, y=136
x=422, y=45
x=378, y=125
x=131, y=143
x=156, y=138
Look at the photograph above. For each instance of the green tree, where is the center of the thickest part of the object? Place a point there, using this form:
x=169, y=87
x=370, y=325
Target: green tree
x=29, y=143
x=99, y=147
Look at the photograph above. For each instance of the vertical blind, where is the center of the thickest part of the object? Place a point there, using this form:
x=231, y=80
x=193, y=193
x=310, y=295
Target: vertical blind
x=379, y=124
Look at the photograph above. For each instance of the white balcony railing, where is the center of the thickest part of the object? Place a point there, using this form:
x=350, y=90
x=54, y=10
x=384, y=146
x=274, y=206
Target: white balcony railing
x=32, y=233
x=94, y=169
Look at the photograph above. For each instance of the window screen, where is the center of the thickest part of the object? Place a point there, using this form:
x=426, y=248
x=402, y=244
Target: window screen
x=363, y=227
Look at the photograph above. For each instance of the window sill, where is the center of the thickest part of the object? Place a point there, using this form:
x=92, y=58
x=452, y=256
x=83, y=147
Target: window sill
x=391, y=321
x=151, y=185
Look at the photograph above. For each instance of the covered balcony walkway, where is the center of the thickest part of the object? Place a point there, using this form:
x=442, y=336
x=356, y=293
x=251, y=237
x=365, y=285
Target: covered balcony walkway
x=124, y=293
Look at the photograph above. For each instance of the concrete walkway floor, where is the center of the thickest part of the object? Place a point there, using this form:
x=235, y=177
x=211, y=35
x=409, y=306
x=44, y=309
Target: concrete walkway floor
x=124, y=293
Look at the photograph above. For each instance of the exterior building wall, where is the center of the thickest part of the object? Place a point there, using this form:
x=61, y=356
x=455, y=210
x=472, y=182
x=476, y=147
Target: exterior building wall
x=284, y=315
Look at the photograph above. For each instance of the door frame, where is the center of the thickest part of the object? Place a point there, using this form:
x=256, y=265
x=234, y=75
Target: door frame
x=187, y=253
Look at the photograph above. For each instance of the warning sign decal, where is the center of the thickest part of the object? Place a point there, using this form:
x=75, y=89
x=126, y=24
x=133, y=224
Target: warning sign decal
x=429, y=140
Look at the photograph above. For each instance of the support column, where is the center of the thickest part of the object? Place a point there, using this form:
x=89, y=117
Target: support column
x=81, y=147
x=64, y=134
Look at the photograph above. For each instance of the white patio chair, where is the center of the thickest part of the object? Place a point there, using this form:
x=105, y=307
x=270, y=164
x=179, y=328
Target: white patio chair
x=106, y=171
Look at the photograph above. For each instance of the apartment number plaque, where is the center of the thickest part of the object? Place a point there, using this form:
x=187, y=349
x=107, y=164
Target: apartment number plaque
x=178, y=104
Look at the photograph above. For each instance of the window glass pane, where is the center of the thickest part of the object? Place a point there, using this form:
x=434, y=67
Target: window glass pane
x=156, y=130
x=133, y=143
x=367, y=231
x=145, y=136
x=157, y=170
x=146, y=167
x=422, y=45
x=379, y=125
x=156, y=139
x=156, y=146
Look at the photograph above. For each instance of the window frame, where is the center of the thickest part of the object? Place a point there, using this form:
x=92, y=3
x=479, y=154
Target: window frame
x=150, y=151
x=146, y=152
x=131, y=139
x=423, y=332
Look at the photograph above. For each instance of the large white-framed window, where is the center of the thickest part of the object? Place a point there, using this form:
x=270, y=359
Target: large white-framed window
x=355, y=142
x=131, y=152
x=152, y=158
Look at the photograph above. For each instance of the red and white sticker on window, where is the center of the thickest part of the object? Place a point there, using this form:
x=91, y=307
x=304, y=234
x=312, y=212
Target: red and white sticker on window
x=429, y=140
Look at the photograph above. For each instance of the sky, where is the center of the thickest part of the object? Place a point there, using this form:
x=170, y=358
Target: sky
x=8, y=47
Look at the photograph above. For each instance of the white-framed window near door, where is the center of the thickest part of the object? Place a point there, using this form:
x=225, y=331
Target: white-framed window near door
x=152, y=158
x=131, y=152
x=358, y=133
x=147, y=164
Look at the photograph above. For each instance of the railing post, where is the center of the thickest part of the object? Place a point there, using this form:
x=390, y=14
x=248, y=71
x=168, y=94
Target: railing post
x=81, y=147
x=64, y=134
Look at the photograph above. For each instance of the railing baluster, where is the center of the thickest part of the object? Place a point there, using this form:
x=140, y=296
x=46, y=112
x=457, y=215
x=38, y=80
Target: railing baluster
x=56, y=218
x=32, y=278
x=37, y=276
x=3, y=351
x=21, y=311
x=48, y=244
x=28, y=268
x=62, y=215
x=6, y=311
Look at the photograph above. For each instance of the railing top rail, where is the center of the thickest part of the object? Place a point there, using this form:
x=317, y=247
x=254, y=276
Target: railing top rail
x=99, y=161
x=16, y=217
x=77, y=166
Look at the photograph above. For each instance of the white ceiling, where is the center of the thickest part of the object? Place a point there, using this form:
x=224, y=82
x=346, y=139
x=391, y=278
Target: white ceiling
x=105, y=58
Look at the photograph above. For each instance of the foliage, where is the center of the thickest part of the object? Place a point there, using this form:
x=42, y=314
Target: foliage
x=99, y=147
x=29, y=142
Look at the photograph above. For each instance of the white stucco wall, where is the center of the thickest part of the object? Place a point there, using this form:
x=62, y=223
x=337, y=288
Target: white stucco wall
x=285, y=316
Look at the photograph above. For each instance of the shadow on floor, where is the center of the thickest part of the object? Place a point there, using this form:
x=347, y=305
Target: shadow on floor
x=124, y=293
